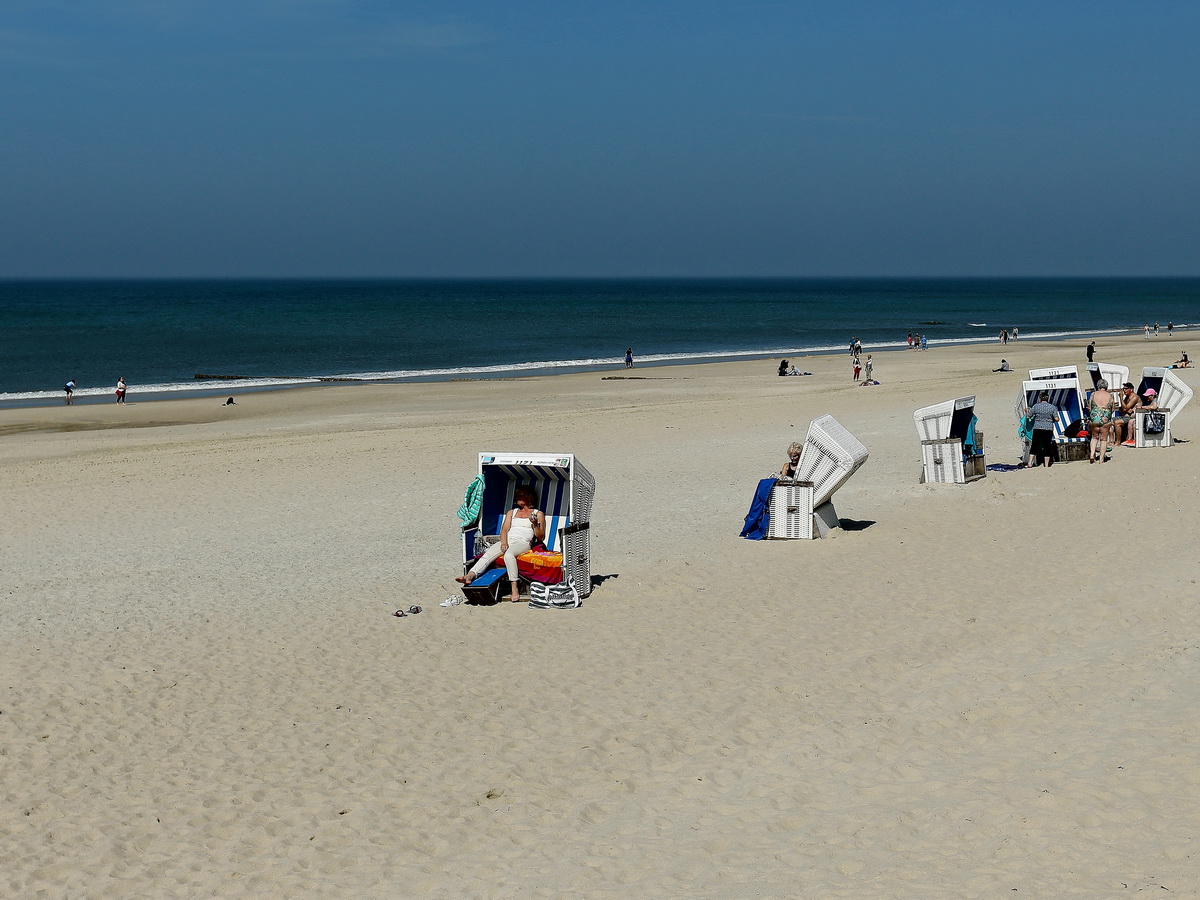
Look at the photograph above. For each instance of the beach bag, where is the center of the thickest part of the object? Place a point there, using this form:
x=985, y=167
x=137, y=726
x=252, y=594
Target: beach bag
x=1154, y=423
x=554, y=596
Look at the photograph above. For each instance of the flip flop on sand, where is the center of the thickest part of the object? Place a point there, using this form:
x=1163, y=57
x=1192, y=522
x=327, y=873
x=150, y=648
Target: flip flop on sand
x=400, y=614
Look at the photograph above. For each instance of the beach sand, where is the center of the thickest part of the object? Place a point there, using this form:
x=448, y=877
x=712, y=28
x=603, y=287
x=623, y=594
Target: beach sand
x=987, y=690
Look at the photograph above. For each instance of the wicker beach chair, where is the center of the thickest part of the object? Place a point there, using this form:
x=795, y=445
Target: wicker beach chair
x=1172, y=396
x=1066, y=396
x=565, y=489
x=951, y=444
x=830, y=456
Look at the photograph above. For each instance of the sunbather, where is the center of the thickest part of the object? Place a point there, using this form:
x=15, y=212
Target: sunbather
x=523, y=526
x=789, y=467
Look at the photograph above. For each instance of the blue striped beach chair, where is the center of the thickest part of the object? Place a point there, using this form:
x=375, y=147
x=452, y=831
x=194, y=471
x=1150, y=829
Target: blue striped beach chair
x=565, y=489
x=1065, y=395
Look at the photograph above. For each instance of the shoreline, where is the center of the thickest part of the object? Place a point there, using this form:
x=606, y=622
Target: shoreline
x=235, y=385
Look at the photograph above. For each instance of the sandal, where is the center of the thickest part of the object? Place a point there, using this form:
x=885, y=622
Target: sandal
x=400, y=614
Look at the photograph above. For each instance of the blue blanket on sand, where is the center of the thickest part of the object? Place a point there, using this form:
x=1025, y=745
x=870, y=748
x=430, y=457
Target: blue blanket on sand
x=759, y=516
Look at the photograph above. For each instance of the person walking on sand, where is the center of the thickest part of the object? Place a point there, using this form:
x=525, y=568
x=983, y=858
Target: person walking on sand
x=121, y=389
x=629, y=357
x=910, y=340
x=1145, y=332
x=924, y=342
x=1170, y=329
x=69, y=389
x=1091, y=350
x=1014, y=333
x=1156, y=328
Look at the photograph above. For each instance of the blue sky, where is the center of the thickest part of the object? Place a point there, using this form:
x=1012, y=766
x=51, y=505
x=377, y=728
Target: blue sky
x=337, y=138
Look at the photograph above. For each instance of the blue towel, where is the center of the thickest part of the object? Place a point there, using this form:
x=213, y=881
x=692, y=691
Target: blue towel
x=969, y=440
x=755, y=528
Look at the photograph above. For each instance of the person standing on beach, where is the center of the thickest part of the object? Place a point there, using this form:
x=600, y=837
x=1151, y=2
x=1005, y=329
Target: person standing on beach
x=1014, y=333
x=869, y=370
x=629, y=357
x=1156, y=328
x=121, y=389
x=924, y=342
x=1004, y=336
x=1091, y=350
x=1145, y=332
x=69, y=388
x=857, y=367
x=1170, y=329
x=910, y=340
x=1044, y=415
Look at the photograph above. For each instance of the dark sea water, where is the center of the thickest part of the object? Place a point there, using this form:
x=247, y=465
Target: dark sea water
x=160, y=334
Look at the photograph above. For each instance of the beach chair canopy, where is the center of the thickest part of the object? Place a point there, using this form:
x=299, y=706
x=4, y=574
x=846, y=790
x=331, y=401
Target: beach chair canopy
x=1173, y=394
x=563, y=486
x=942, y=421
x=1064, y=394
x=1112, y=373
x=830, y=456
x=1055, y=374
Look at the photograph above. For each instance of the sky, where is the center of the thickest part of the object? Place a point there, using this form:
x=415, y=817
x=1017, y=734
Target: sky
x=462, y=138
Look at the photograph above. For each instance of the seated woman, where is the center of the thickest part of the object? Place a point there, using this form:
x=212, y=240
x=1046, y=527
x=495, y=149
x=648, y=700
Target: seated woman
x=783, y=367
x=789, y=468
x=1100, y=416
x=523, y=526
x=1183, y=362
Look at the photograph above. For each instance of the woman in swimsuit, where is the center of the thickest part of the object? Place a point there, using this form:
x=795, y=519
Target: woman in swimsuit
x=793, y=461
x=1100, y=416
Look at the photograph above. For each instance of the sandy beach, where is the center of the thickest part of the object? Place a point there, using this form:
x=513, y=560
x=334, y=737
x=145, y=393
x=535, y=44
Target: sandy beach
x=983, y=690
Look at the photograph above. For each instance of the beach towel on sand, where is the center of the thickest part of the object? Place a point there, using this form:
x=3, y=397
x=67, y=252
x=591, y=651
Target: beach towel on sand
x=759, y=516
x=472, y=503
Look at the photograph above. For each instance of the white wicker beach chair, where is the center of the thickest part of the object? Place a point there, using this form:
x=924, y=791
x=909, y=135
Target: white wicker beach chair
x=951, y=447
x=830, y=456
x=1112, y=373
x=1172, y=396
x=565, y=490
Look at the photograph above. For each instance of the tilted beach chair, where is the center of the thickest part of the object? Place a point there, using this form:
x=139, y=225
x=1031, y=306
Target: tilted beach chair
x=1172, y=396
x=831, y=454
x=951, y=444
x=1067, y=398
x=565, y=489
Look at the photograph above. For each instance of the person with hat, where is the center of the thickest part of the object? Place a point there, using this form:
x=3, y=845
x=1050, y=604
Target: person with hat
x=1123, y=420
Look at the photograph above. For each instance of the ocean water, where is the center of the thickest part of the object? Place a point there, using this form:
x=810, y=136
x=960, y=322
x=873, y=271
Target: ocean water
x=160, y=335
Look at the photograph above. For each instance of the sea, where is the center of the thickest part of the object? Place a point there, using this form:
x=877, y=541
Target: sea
x=185, y=337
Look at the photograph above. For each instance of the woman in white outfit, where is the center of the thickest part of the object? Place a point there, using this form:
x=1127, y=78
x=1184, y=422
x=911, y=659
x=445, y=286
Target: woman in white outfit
x=523, y=526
